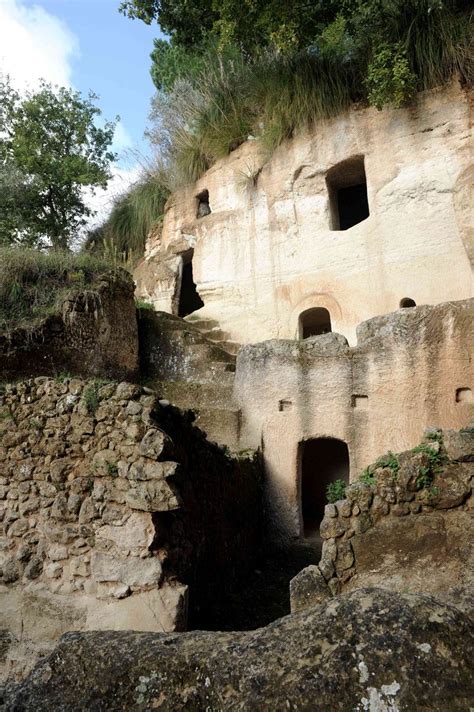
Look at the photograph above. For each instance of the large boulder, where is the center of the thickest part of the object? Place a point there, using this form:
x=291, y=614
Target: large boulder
x=368, y=650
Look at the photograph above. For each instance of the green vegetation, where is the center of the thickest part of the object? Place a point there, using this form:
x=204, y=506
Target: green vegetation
x=51, y=150
x=33, y=283
x=389, y=460
x=335, y=491
x=112, y=469
x=124, y=233
x=35, y=424
x=436, y=459
x=266, y=69
x=367, y=476
x=91, y=396
x=141, y=304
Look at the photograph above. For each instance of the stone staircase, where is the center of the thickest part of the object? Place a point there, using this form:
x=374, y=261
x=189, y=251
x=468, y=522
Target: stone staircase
x=192, y=371
x=211, y=330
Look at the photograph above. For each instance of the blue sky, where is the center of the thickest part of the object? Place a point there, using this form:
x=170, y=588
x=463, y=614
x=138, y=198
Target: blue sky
x=88, y=45
x=100, y=48
x=113, y=58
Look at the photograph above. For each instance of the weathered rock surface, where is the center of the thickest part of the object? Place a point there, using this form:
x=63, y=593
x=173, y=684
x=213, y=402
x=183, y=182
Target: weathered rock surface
x=412, y=529
x=369, y=650
x=93, y=333
x=308, y=589
x=289, y=256
x=411, y=361
x=111, y=506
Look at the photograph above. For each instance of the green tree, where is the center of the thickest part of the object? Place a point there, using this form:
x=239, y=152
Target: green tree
x=51, y=151
x=171, y=61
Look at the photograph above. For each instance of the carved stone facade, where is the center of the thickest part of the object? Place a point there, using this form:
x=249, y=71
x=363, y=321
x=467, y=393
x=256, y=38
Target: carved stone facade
x=277, y=240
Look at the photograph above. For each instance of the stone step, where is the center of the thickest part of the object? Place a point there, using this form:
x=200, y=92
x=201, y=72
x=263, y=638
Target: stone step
x=216, y=334
x=196, y=396
x=201, y=323
x=230, y=347
x=221, y=426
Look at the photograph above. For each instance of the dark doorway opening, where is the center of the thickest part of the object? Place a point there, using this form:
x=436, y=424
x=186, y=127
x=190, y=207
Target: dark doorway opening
x=314, y=322
x=322, y=461
x=407, y=302
x=347, y=187
x=353, y=205
x=189, y=299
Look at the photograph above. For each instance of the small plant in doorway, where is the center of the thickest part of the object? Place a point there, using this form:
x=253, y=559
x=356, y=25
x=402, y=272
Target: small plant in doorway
x=335, y=491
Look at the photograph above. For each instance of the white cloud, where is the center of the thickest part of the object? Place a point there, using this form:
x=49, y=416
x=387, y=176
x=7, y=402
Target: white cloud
x=102, y=201
x=122, y=139
x=35, y=44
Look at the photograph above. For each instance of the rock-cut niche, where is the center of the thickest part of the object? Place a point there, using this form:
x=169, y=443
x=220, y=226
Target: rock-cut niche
x=347, y=189
x=320, y=462
x=203, y=207
x=407, y=303
x=189, y=299
x=314, y=322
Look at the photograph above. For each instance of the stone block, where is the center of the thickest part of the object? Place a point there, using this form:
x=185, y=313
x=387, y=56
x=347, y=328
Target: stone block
x=131, y=571
x=151, y=496
x=155, y=444
x=307, y=589
x=360, y=494
x=459, y=445
x=452, y=486
x=344, y=558
x=136, y=534
x=332, y=528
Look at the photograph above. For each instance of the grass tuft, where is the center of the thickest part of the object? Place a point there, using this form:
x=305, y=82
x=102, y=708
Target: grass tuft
x=33, y=283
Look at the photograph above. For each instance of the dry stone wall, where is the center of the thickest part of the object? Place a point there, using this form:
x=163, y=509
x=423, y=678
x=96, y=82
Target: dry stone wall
x=408, y=527
x=106, y=496
x=93, y=333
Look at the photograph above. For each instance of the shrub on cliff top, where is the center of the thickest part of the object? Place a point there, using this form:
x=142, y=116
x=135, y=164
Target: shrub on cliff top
x=379, y=52
x=32, y=282
x=122, y=236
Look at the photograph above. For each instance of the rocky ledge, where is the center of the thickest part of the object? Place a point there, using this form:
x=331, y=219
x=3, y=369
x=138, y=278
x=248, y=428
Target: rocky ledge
x=367, y=650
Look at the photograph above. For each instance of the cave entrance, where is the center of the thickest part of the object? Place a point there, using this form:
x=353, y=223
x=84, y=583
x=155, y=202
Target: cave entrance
x=321, y=461
x=314, y=322
x=189, y=299
x=347, y=188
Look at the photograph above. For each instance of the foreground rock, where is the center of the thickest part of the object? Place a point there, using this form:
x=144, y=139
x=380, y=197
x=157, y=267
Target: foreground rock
x=368, y=650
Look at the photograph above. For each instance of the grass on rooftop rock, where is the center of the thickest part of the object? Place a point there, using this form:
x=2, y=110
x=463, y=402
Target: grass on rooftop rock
x=33, y=283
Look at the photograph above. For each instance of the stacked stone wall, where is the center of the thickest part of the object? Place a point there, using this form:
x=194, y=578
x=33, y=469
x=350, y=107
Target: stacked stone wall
x=409, y=526
x=111, y=505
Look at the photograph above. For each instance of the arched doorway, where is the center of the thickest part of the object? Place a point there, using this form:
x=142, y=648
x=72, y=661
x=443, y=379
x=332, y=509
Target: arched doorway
x=189, y=299
x=321, y=461
x=407, y=302
x=314, y=322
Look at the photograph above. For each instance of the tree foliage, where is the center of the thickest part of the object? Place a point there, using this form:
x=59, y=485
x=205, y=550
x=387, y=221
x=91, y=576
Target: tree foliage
x=51, y=150
x=268, y=68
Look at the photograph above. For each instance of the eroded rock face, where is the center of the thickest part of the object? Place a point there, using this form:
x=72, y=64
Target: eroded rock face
x=369, y=650
x=94, y=333
x=289, y=257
